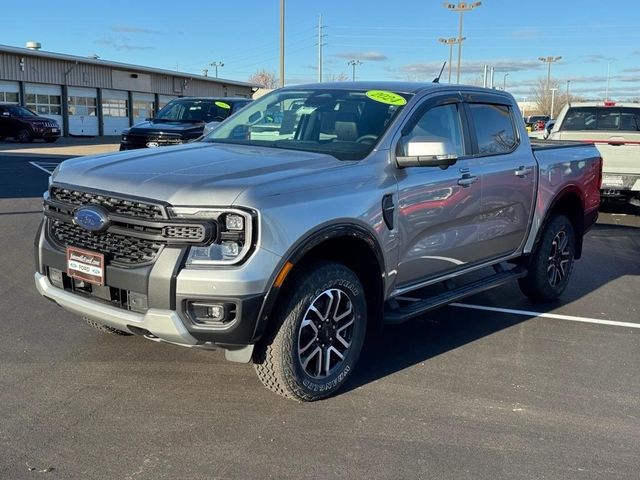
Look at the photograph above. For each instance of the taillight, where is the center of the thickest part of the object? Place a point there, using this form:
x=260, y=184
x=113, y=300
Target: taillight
x=609, y=103
x=599, y=173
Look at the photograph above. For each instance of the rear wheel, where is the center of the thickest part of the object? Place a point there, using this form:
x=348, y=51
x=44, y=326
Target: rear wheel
x=25, y=135
x=552, y=262
x=317, y=336
x=105, y=328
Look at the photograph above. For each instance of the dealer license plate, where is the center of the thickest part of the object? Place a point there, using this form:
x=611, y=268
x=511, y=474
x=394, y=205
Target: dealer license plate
x=612, y=181
x=85, y=265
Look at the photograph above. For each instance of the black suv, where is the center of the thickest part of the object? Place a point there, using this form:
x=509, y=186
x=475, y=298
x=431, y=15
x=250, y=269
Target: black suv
x=179, y=121
x=24, y=125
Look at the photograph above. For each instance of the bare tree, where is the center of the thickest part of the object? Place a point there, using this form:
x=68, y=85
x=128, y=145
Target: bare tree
x=338, y=77
x=264, y=78
x=542, y=96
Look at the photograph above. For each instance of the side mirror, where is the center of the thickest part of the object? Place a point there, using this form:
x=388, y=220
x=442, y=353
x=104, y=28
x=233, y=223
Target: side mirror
x=210, y=127
x=427, y=152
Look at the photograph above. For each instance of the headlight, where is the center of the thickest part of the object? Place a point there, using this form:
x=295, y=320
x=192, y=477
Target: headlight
x=234, y=241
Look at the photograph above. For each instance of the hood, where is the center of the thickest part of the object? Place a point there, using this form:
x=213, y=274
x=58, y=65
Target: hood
x=195, y=174
x=152, y=126
x=32, y=119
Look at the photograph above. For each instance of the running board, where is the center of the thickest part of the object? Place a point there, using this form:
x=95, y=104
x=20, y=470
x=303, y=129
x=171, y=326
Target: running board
x=407, y=306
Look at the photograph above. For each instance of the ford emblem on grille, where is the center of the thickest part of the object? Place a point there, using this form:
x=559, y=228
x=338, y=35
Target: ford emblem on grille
x=92, y=218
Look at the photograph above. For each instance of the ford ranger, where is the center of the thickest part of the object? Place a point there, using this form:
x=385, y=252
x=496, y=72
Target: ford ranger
x=312, y=216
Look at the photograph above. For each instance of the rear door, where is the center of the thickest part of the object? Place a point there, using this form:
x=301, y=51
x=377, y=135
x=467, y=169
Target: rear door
x=509, y=172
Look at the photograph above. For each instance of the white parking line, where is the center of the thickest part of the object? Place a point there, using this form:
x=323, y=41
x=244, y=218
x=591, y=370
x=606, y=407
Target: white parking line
x=548, y=315
x=47, y=167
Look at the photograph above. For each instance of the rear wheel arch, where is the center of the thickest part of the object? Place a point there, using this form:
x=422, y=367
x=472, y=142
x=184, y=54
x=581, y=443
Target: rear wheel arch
x=350, y=244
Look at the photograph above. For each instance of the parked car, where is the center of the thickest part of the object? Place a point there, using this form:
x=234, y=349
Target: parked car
x=25, y=126
x=536, y=122
x=315, y=214
x=615, y=130
x=179, y=121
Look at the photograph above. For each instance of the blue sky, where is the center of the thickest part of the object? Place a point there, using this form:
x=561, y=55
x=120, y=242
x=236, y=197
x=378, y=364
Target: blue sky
x=394, y=40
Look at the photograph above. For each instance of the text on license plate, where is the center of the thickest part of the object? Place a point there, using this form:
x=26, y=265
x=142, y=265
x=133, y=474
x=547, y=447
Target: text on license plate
x=608, y=181
x=85, y=265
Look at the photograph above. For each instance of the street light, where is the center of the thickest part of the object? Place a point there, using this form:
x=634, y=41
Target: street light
x=216, y=65
x=553, y=98
x=354, y=63
x=451, y=42
x=504, y=81
x=568, y=82
x=549, y=61
x=282, y=43
x=461, y=7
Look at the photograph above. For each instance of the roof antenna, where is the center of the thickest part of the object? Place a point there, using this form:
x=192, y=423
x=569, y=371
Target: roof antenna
x=437, y=79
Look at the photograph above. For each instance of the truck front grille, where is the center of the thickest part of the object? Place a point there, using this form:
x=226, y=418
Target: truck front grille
x=121, y=249
x=120, y=206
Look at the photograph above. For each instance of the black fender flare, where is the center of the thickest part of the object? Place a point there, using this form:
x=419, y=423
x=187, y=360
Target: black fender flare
x=298, y=251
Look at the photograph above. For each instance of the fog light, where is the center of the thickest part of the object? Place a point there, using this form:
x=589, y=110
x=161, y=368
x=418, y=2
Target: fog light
x=215, y=312
x=55, y=276
x=230, y=249
x=234, y=222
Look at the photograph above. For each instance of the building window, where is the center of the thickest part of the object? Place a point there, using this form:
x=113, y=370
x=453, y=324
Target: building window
x=44, y=104
x=8, y=97
x=85, y=106
x=112, y=107
x=142, y=109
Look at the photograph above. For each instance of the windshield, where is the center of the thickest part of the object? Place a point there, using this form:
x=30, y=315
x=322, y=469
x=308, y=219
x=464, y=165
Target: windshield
x=343, y=123
x=187, y=110
x=20, y=111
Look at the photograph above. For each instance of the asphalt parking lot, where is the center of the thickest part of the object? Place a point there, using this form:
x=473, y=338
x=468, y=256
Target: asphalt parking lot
x=495, y=387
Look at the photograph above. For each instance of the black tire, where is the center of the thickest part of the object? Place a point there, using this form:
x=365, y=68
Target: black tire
x=552, y=261
x=2, y=137
x=105, y=328
x=51, y=140
x=24, y=135
x=280, y=360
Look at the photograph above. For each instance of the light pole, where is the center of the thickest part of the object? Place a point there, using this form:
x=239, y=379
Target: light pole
x=568, y=82
x=354, y=64
x=216, y=65
x=549, y=61
x=504, y=81
x=524, y=105
x=451, y=42
x=606, y=99
x=282, y=43
x=553, y=98
x=461, y=7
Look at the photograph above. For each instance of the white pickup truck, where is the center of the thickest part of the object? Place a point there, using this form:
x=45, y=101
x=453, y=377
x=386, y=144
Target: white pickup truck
x=615, y=130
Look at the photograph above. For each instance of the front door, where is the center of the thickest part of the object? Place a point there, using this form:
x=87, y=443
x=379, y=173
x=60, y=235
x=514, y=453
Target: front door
x=437, y=207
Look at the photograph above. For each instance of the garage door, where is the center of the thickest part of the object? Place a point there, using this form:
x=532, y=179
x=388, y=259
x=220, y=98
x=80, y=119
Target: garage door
x=83, y=111
x=143, y=106
x=115, y=111
x=9, y=92
x=45, y=100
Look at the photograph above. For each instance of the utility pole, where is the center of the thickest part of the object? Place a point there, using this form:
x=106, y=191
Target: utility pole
x=504, y=81
x=282, y=43
x=568, y=82
x=354, y=64
x=606, y=99
x=484, y=76
x=549, y=61
x=320, y=45
x=461, y=7
x=553, y=98
x=451, y=42
x=216, y=65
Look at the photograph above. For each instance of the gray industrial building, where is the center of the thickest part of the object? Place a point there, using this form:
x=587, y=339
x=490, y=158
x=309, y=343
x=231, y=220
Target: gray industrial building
x=90, y=96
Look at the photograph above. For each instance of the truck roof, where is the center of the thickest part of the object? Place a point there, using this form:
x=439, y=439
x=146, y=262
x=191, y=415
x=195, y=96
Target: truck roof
x=603, y=103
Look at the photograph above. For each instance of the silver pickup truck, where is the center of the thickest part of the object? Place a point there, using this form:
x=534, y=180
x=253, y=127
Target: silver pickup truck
x=312, y=216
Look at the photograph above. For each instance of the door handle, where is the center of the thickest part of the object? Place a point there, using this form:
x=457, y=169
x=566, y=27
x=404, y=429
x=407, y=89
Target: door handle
x=467, y=180
x=523, y=171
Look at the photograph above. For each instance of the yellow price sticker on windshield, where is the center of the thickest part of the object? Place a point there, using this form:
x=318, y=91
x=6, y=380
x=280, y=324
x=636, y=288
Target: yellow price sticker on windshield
x=384, y=96
x=223, y=105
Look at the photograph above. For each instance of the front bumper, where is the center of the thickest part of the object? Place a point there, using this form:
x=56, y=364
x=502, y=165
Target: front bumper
x=166, y=290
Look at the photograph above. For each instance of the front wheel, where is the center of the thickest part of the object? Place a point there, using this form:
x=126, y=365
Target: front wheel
x=552, y=261
x=317, y=336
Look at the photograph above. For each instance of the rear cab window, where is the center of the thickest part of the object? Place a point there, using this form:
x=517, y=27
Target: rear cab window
x=602, y=118
x=494, y=127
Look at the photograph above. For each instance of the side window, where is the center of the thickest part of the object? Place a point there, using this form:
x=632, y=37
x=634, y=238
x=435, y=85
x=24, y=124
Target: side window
x=494, y=128
x=440, y=123
x=630, y=120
